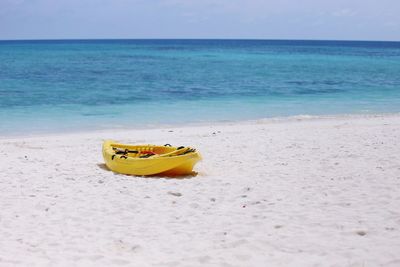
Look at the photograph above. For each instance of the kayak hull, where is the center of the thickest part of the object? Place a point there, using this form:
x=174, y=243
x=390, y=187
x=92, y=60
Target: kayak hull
x=165, y=161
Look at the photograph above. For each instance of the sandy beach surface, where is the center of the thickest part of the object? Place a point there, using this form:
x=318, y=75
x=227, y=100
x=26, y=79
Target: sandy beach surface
x=288, y=192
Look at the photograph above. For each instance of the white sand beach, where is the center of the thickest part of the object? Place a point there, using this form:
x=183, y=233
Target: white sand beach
x=288, y=192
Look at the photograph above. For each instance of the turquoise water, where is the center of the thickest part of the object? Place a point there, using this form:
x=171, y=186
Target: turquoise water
x=56, y=86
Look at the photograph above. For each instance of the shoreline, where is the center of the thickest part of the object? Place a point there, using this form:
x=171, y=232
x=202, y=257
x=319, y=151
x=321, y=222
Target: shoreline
x=282, y=119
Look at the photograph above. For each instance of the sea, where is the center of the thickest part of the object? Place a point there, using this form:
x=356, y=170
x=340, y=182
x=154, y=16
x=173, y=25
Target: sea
x=55, y=86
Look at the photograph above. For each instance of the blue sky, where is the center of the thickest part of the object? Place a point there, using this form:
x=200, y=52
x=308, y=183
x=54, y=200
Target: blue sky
x=260, y=19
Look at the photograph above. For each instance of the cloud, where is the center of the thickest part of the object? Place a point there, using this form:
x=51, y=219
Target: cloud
x=345, y=12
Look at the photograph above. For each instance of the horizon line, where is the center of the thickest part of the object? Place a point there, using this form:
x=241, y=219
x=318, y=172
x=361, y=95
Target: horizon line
x=199, y=39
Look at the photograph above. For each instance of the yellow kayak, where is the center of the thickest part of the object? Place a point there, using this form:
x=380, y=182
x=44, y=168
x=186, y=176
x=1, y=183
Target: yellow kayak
x=149, y=159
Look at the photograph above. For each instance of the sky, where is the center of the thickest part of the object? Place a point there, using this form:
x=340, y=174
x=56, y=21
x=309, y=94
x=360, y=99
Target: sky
x=215, y=19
